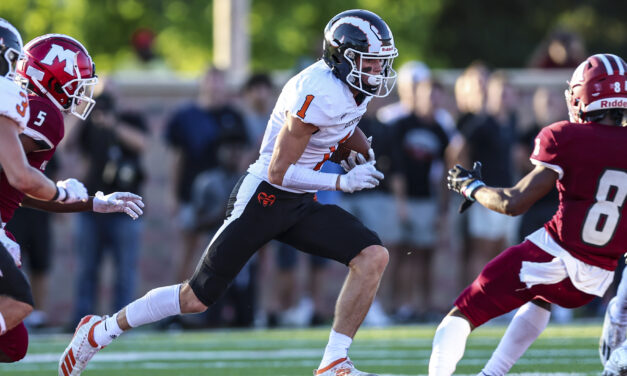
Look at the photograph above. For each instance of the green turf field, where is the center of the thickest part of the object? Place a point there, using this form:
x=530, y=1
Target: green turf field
x=561, y=350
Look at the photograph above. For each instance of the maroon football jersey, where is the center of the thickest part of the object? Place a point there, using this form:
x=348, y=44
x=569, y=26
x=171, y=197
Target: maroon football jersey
x=46, y=127
x=591, y=160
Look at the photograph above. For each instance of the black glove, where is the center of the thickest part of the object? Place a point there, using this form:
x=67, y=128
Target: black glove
x=465, y=182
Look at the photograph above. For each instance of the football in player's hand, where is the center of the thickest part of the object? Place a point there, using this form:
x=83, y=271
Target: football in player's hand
x=357, y=142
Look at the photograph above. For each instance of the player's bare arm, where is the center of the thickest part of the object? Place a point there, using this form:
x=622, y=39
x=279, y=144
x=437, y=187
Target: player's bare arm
x=19, y=173
x=517, y=199
x=510, y=201
x=117, y=202
x=290, y=145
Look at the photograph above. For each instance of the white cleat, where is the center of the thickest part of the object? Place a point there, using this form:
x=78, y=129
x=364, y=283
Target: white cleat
x=341, y=367
x=617, y=363
x=82, y=347
x=612, y=335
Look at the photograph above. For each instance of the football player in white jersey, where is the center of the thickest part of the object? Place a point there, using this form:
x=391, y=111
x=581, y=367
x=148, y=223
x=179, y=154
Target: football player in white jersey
x=16, y=301
x=317, y=109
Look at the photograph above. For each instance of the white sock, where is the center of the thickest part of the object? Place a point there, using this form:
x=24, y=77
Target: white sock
x=618, y=310
x=449, y=343
x=107, y=331
x=526, y=326
x=157, y=304
x=337, y=348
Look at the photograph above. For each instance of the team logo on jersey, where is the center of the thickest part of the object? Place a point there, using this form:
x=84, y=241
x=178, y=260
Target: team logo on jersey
x=67, y=56
x=266, y=199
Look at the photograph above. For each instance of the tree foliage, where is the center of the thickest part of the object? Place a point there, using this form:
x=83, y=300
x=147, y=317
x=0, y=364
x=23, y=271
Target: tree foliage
x=443, y=33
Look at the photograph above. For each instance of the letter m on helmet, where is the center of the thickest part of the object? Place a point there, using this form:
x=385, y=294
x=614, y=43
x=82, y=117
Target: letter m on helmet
x=67, y=56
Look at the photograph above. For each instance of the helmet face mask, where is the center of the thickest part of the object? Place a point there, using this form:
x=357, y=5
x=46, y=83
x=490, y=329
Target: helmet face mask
x=81, y=97
x=60, y=68
x=359, y=48
x=10, y=49
x=378, y=84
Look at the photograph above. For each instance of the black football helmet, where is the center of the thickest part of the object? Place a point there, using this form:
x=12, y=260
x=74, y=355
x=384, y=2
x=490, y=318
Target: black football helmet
x=354, y=36
x=10, y=49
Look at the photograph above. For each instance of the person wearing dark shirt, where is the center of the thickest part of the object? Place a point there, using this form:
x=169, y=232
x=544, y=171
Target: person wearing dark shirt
x=417, y=181
x=193, y=132
x=488, y=135
x=112, y=143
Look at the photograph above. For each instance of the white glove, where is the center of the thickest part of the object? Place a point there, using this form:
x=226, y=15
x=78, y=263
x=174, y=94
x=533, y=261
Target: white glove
x=119, y=202
x=71, y=191
x=12, y=247
x=355, y=159
x=363, y=176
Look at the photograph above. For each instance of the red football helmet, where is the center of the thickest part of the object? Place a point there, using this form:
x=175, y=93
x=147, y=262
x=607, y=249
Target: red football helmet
x=60, y=68
x=599, y=83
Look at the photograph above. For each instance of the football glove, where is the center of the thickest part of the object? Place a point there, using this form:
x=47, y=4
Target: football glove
x=465, y=182
x=119, y=202
x=70, y=191
x=12, y=247
x=356, y=159
x=363, y=176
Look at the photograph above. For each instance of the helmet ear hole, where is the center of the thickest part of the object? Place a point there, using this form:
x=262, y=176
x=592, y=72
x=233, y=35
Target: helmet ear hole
x=4, y=67
x=57, y=88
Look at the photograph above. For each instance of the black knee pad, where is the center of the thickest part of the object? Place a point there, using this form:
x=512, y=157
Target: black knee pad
x=208, y=285
x=13, y=282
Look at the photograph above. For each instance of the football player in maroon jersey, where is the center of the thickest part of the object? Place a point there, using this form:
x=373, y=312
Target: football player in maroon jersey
x=572, y=258
x=16, y=300
x=60, y=76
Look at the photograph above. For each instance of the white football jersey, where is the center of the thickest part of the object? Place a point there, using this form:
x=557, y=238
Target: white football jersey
x=14, y=102
x=317, y=97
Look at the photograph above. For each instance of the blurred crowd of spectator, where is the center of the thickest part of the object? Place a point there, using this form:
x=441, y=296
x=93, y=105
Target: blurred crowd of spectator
x=212, y=139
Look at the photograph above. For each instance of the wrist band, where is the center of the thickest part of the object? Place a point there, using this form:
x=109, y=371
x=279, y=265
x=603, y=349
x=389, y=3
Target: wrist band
x=469, y=190
x=61, y=195
x=56, y=195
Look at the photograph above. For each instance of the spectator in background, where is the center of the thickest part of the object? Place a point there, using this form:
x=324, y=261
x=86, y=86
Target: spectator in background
x=31, y=228
x=409, y=75
x=548, y=108
x=419, y=188
x=209, y=197
x=112, y=142
x=193, y=132
x=560, y=49
x=488, y=135
x=257, y=101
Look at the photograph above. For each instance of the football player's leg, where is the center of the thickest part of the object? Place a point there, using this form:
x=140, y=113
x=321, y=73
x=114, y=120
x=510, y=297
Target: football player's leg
x=449, y=343
x=525, y=327
x=13, y=344
x=616, y=365
x=16, y=299
x=497, y=290
x=331, y=232
x=615, y=322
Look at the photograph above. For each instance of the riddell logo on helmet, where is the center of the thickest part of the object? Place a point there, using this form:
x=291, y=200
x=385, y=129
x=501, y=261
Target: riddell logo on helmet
x=614, y=103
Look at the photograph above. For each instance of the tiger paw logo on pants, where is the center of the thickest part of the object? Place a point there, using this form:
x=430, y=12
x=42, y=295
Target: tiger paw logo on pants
x=266, y=199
